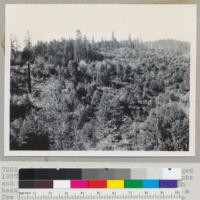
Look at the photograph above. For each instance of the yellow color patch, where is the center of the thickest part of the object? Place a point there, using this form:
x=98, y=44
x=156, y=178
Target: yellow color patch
x=115, y=183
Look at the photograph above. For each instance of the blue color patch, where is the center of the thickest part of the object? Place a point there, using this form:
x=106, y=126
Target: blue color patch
x=150, y=183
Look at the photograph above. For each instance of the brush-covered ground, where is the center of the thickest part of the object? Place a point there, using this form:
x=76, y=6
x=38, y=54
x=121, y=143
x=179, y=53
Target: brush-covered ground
x=131, y=100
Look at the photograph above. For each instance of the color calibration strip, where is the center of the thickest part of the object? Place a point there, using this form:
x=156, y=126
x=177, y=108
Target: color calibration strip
x=89, y=184
x=98, y=178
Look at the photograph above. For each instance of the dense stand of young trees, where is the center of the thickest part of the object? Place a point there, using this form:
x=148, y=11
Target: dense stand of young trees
x=78, y=94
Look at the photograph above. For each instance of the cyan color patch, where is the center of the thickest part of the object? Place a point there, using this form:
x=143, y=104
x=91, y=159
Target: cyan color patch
x=150, y=183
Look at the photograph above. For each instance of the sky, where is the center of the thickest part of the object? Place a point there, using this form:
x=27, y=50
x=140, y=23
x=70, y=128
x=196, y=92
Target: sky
x=55, y=21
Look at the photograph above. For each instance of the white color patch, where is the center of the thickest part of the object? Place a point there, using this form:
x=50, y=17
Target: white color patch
x=60, y=184
x=172, y=173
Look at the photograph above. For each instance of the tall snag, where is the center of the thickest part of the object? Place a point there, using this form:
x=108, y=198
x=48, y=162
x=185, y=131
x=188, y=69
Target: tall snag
x=27, y=56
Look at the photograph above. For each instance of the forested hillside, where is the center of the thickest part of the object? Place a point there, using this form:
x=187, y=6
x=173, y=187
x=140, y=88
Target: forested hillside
x=80, y=94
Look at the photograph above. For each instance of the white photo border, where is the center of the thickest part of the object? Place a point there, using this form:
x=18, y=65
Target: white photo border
x=87, y=153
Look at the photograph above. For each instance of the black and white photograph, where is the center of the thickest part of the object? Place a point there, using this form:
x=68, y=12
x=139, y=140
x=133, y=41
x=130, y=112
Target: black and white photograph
x=100, y=79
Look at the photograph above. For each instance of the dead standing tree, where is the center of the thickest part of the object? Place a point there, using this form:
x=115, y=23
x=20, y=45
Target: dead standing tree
x=27, y=55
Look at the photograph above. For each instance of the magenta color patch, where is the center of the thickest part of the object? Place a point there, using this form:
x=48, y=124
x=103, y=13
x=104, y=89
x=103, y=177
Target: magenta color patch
x=79, y=184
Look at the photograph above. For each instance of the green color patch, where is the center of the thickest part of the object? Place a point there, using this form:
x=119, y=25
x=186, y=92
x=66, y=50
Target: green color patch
x=133, y=184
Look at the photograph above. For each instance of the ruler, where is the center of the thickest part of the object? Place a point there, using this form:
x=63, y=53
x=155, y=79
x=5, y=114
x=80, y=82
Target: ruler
x=103, y=194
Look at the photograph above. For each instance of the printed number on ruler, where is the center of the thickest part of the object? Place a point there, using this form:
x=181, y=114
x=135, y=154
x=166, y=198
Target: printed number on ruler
x=124, y=194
